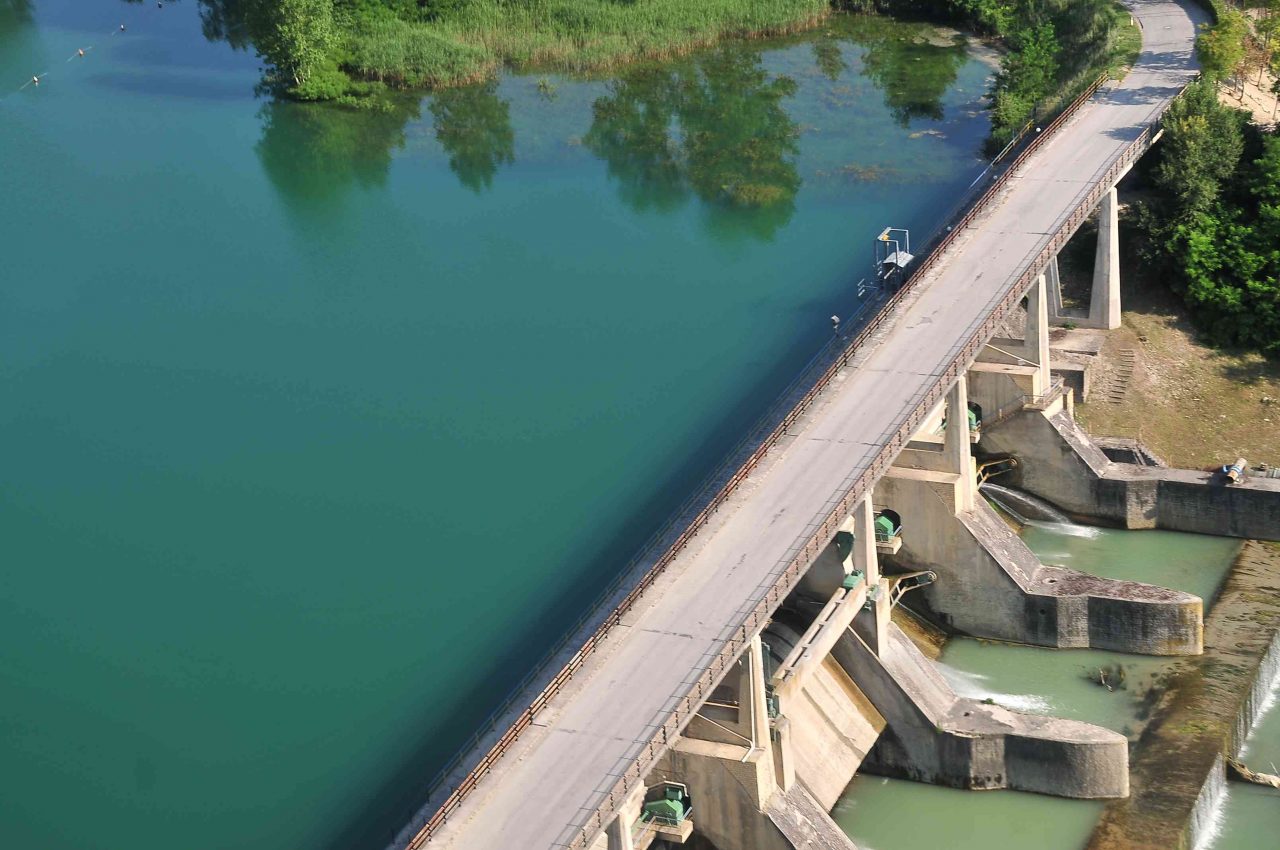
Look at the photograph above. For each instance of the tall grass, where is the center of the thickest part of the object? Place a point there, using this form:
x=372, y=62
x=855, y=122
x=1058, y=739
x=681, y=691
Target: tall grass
x=469, y=41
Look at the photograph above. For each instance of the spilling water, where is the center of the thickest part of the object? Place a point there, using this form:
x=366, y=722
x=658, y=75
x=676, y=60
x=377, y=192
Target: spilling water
x=1023, y=506
x=1261, y=697
x=1207, y=816
x=1248, y=816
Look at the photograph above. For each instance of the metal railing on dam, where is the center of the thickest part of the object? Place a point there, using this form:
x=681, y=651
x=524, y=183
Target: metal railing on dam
x=623, y=595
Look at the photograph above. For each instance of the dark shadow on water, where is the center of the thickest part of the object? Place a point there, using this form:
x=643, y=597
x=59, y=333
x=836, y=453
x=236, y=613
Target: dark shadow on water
x=178, y=87
x=237, y=22
x=15, y=23
x=829, y=57
x=14, y=14
x=315, y=153
x=231, y=21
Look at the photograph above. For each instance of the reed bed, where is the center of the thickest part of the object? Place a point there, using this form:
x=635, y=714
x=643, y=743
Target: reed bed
x=471, y=41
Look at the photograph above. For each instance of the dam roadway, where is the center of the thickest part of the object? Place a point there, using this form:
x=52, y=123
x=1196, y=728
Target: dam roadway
x=558, y=784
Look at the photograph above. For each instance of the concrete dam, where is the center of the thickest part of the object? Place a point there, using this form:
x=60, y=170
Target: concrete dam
x=742, y=676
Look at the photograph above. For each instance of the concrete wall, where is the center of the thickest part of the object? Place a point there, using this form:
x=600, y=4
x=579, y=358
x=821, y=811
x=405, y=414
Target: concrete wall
x=991, y=585
x=974, y=593
x=993, y=391
x=935, y=736
x=1057, y=461
x=1060, y=463
x=831, y=723
x=1188, y=500
x=729, y=795
x=805, y=822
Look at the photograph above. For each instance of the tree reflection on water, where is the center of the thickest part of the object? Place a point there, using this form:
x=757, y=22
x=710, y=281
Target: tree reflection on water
x=712, y=126
x=716, y=127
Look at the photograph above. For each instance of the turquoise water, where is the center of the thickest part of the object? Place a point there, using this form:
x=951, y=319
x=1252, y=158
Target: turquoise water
x=894, y=814
x=1195, y=563
x=1066, y=683
x=320, y=426
x=1061, y=683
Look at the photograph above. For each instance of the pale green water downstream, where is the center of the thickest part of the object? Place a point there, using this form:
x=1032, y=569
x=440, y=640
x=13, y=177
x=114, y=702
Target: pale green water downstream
x=897, y=815
x=319, y=427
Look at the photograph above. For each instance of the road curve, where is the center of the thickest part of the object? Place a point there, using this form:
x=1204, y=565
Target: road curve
x=555, y=777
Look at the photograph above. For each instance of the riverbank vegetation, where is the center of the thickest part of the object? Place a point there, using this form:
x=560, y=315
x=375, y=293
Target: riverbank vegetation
x=344, y=49
x=1055, y=49
x=334, y=49
x=1212, y=224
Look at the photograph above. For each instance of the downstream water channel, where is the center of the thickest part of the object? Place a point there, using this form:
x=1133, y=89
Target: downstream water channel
x=1065, y=683
x=320, y=426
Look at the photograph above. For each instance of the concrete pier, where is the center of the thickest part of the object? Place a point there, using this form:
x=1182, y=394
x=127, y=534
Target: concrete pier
x=990, y=584
x=1104, y=300
x=1036, y=336
x=936, y=736
x=1104, y=305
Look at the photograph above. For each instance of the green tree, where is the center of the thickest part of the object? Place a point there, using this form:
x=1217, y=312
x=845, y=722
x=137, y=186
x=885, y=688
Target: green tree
x=1028, y=74
x=299, y=38
x=1222, y=47
x=1202, y=146
x=1217, y=227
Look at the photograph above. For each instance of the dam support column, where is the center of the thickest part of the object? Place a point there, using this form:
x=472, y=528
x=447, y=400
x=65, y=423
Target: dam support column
x=733, y=781
x=871, y=623
x=956, y=447
x=1053, y=287
x=1104, y=305
x=1036, y=338
x=753, y=705
x=619, y=833
x=991, y=585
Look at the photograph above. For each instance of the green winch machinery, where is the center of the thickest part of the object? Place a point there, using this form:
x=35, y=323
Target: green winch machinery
x=671, y=809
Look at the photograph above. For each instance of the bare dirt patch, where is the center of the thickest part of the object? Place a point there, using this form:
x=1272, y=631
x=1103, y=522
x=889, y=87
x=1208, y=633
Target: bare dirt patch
x=1194, y=405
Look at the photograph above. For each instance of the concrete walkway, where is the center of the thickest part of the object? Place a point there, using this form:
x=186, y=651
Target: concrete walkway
x=559, y=772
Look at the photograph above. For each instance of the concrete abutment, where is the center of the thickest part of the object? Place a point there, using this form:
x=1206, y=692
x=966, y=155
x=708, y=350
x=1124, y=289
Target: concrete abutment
x=1060, y=463
x=990, y=584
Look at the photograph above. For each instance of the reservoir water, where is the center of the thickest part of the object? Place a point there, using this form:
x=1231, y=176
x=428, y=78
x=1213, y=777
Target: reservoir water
x=320, y=425
x=1063, y=683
